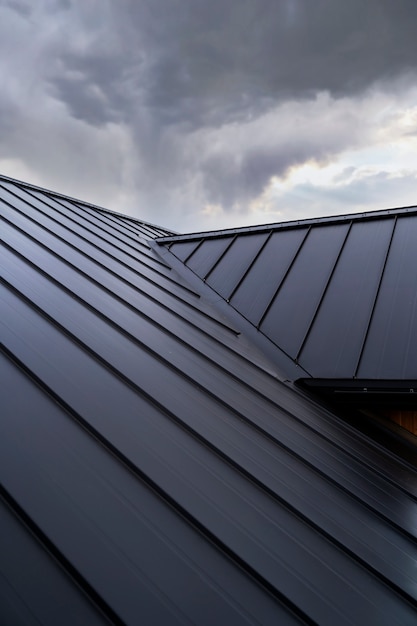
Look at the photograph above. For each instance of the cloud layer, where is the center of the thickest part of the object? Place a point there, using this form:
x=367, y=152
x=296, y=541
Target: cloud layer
x=196, y=114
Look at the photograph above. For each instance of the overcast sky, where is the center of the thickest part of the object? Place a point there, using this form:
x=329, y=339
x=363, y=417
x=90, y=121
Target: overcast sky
x=203, y=114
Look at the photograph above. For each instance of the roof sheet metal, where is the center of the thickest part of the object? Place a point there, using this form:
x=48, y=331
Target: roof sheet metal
x=25, y=565
x=338, y=297
x=171, y=475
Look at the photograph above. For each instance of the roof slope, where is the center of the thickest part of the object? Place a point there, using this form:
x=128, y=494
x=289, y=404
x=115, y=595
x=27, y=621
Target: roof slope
x=153, y=464
x=324, y=291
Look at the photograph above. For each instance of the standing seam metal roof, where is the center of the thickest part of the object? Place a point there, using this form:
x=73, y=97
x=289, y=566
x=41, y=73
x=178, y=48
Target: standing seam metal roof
x=338, y=297
x=155, y=467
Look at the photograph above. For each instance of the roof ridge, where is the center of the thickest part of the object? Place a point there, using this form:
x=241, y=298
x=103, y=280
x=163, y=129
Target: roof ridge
x=322, y=221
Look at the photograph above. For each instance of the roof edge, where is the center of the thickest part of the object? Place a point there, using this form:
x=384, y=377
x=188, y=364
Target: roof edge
x=91, y=205
x=331, y=219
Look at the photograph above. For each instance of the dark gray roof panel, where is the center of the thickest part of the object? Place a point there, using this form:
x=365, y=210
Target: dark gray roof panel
x=100, y=265
x=230, y=269
x=290, y=314
x=390, y=349
x=184, y=250
x=125, y=541
x=169, y=469
x=101, y=224
x=128, y=221
x=204, y=257
x=34, y=588
x=338, y=297
x=100, y=289
x=142, y=432
x=255, y=292
x=333, y=346
x=62, y=221
x=106, y=226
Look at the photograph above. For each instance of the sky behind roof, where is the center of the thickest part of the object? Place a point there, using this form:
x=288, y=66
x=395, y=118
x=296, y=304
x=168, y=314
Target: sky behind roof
x=206, y=114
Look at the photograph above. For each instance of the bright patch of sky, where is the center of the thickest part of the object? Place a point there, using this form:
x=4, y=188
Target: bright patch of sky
x=379, y=171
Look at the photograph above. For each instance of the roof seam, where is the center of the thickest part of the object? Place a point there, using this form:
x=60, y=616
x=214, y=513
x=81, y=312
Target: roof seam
x=188, y=257
x=123, y=280
x=81, y=583
x=267, y=309
x=93, y=215
x=219, y=258
x=375, y=300
x=170, y=366
x=310, y=326
x=103, y=251
x=48, y=192
x=87, y=228
x=251, y=264
x=204, y=285
x=254, y=480
x=119, y=227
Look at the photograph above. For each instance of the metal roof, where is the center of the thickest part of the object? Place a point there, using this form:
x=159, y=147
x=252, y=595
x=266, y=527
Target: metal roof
x=155, y=469
x=338, y=296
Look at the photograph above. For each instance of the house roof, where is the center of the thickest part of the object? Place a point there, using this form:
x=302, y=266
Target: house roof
x=337, y=295
x=154, y=463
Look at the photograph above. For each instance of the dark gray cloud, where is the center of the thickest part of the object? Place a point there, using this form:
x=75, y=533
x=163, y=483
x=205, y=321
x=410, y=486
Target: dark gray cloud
x=196, y=62
x=198, y=102
x=215, y=60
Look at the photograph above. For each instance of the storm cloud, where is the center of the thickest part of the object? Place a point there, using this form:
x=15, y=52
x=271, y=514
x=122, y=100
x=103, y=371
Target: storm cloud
x=166, y=108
